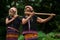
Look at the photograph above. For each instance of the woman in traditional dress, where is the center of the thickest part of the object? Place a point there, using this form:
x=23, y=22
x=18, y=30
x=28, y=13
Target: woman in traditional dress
x=29, y=23
x=13, y=23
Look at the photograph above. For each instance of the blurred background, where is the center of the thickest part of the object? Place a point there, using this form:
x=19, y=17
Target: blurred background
x=46, y=31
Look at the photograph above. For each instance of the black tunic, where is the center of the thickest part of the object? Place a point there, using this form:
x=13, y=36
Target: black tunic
x=15, y=23
x=33, y=24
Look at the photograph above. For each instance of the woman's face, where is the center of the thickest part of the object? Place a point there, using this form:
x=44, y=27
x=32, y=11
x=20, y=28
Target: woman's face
x=28, y=9
x=12, y=12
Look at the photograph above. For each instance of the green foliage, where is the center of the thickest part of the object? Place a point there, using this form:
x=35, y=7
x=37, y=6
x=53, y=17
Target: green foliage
x=43, y=36
x=21, y=37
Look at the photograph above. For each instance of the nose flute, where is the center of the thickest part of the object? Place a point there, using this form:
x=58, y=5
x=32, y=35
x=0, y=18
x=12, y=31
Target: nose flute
x=45, y=14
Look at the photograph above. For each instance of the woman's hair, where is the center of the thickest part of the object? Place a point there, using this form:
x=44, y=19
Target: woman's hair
x=30, y=7
x=14, y=9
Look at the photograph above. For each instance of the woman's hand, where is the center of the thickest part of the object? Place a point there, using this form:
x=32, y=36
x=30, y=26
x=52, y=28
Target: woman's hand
x=52, y=14
x=32, y=13
x=15, y=16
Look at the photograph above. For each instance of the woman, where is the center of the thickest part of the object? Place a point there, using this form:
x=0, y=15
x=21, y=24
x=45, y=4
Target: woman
x=29, y=23
x=13, y=23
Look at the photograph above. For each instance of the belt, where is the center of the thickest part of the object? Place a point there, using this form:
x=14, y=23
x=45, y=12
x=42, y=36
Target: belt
x=13, y=29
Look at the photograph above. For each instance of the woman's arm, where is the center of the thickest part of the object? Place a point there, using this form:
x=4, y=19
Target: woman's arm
x=40, y=20
x=8, y=21
x=25, y=20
